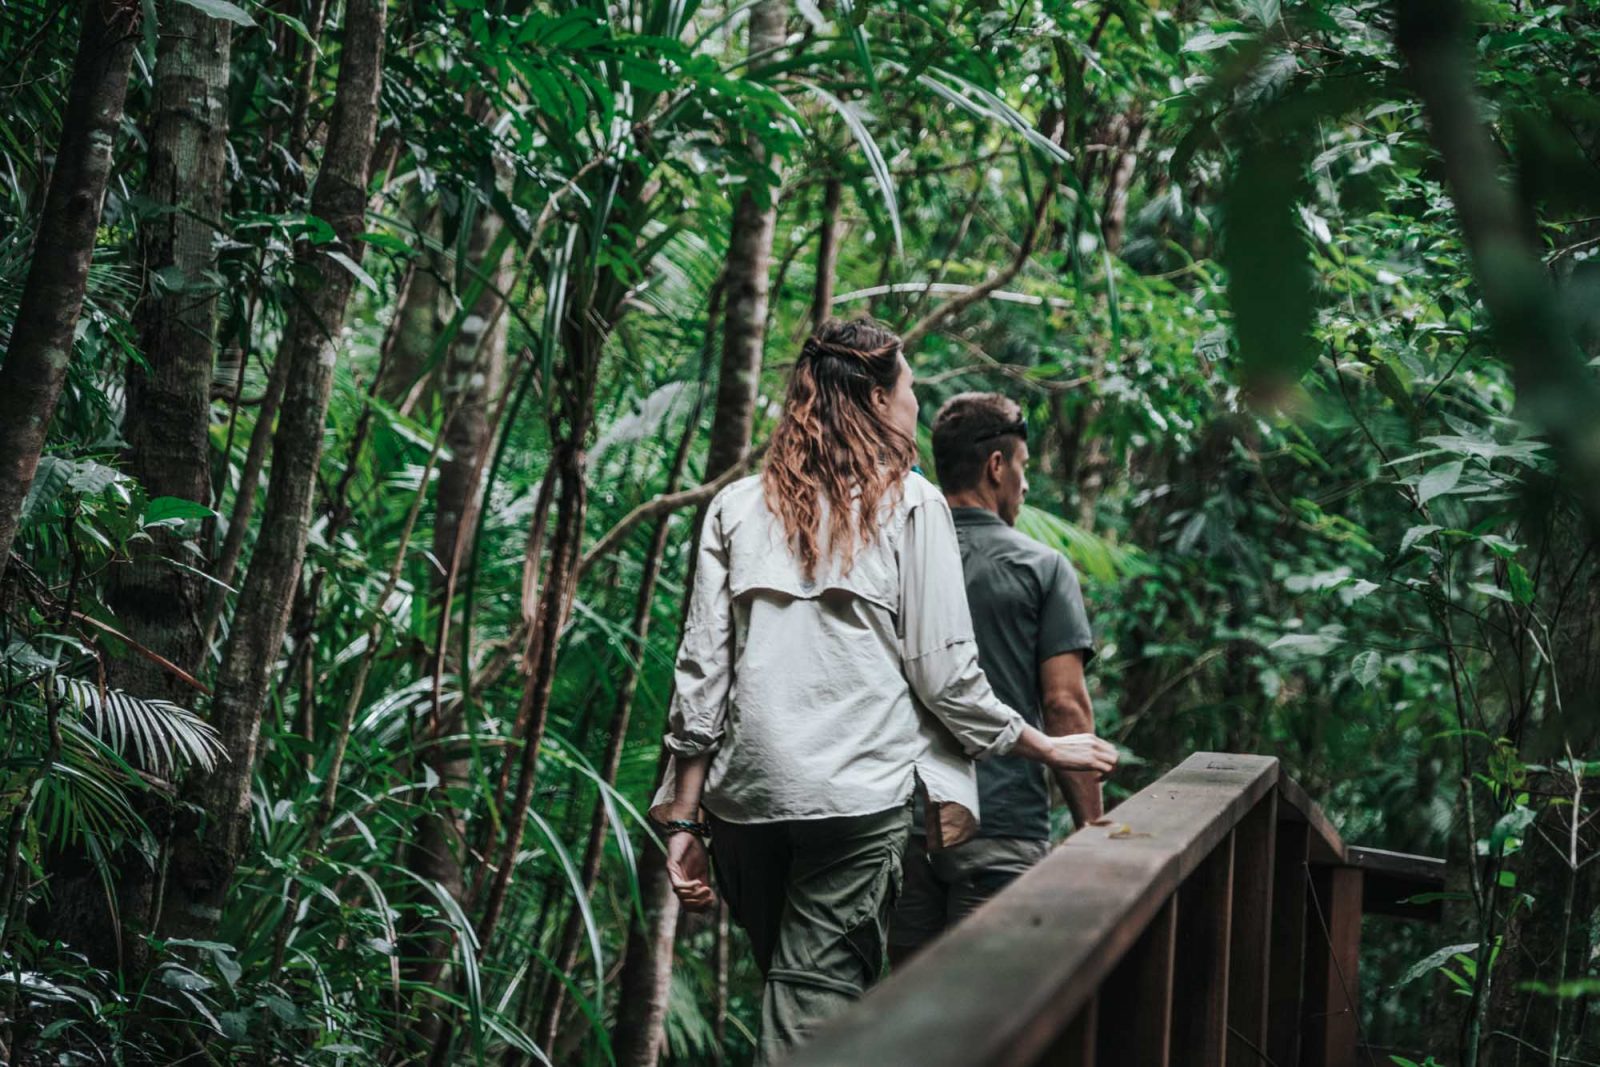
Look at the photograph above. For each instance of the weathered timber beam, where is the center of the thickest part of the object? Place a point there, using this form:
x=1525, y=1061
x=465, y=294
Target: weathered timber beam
x=1327, y=847
x=1000, y=989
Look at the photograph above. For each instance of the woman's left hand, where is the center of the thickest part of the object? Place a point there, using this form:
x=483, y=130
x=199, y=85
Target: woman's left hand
x=689, y=869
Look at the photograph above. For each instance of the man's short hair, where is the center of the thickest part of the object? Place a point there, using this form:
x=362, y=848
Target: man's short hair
x=969, y=428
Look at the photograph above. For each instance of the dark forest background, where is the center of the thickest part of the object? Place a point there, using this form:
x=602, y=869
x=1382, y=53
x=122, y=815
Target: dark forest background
x=366, y=363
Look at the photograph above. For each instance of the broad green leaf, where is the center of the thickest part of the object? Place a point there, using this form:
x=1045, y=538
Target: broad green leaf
x=875, y=160
x=1439, y=480
x=1210, y=42
x=1365, y=667
x=221, y=9
x=1521, y=583
x=1433, y=961
x=1513, y=824
x=170, y=508
x=1306, y=644
x=355, y=270
x=1415, y=534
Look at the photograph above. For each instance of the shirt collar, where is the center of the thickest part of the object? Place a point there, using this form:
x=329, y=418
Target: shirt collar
x=975, y=517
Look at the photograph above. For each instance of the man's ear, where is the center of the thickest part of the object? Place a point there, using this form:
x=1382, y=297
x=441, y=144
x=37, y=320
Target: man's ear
x=994, y=468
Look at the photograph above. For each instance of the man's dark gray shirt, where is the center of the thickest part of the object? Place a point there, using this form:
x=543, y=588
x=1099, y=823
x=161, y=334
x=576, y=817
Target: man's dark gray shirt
x=1026, y=608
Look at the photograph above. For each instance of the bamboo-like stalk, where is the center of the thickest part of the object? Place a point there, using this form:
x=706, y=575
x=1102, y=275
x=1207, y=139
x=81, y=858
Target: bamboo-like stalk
x=566, y=957
x=203, y=866
x=41, y=343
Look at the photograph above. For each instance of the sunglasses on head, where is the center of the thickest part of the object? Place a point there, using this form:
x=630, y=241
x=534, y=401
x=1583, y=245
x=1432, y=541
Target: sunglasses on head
x=1020, y=428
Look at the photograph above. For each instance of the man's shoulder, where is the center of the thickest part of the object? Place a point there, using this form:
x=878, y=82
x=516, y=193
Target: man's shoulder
x=1022, y=548
x=1008, y=547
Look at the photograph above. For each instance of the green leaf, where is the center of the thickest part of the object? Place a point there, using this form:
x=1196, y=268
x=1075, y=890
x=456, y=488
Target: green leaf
x=1090, y=554
x=1306, y=644
x=1416, y=533
x=1364, y=668
x=1512, y=825
x=221, y=9
x=1521, y=584
x=1394, y=381
x=174, y=508
x=875, y=160
x=49, y=480
x=1432, y=962
x=1210, y=42
x=355, y=269
x=1438, y=481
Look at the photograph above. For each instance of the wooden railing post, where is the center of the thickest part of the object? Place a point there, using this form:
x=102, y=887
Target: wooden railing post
x=1288, y=966
x=1200, y=968
x=1138, y=996
x=1333, y=955
x=1249, y=966
x=1076, y=1045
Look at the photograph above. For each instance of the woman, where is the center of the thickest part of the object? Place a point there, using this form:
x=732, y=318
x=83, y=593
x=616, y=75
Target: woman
x=827, y=670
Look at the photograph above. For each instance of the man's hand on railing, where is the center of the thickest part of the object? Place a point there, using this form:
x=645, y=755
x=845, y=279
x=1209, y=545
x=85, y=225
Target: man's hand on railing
x=689, y=871
x=1073, y=752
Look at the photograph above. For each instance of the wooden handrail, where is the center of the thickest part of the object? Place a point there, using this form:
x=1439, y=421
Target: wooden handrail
x=1215, y=919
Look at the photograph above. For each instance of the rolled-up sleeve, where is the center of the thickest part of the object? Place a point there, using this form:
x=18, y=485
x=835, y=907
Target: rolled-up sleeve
x=704, y=671
x=938, y=651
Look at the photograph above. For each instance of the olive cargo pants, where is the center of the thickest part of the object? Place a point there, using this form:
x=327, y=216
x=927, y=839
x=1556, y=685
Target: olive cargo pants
x=814, y=895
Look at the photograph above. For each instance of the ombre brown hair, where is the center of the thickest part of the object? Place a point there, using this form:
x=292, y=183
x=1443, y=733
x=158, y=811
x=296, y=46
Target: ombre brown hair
x=832, y=441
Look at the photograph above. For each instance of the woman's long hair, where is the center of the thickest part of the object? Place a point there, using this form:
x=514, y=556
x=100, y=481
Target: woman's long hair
x=833, y=441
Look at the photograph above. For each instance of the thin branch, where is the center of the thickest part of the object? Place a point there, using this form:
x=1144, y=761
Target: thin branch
x=952, y=289
x=959, y=303
x=662, y=505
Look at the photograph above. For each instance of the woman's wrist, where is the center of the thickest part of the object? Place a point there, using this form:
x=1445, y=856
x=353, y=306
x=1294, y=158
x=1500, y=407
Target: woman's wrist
x=1033, y=745
x=680, y=813
x=672, y=827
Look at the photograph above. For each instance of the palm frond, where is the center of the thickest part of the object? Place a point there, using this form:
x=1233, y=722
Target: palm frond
x=161, y=736
x=880, y=167
x=1092, y=554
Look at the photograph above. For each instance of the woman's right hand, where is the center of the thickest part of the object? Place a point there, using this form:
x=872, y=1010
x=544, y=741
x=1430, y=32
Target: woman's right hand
x=1071, y=752
x=689, y=870
x=1083, y=752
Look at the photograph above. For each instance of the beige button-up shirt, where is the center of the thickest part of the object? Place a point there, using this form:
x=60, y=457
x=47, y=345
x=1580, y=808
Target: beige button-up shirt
x=834, y=696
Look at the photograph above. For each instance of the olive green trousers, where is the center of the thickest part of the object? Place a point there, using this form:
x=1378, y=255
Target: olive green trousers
x=814, y=895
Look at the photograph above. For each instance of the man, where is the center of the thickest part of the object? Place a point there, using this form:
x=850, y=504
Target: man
x=1033, y=642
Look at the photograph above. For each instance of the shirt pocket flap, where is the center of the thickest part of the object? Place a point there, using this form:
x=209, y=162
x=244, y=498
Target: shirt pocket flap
x=758, y=558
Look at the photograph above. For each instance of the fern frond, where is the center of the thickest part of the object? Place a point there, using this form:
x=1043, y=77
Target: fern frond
x=158, y=734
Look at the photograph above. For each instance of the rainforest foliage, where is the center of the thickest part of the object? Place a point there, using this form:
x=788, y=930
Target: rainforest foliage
x=367, y=362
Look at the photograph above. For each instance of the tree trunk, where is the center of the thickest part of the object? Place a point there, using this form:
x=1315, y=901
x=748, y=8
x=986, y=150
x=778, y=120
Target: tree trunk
x=52, y=296
x=244, y=507
x=1550, y=942
x=827, y=253
x=472, y=373
x=755, y=216
x=646, y=976
x=594, y=847
x=202, y=866
x=418, y=322
x=166, y=424
x=1553, y=382
x=1131, y=135
x=168, y=414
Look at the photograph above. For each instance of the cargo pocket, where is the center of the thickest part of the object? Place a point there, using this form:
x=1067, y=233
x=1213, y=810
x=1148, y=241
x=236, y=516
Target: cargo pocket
x=867, y=932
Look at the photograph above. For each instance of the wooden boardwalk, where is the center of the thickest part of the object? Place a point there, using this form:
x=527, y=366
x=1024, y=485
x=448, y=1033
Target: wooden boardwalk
x=1215, y=920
